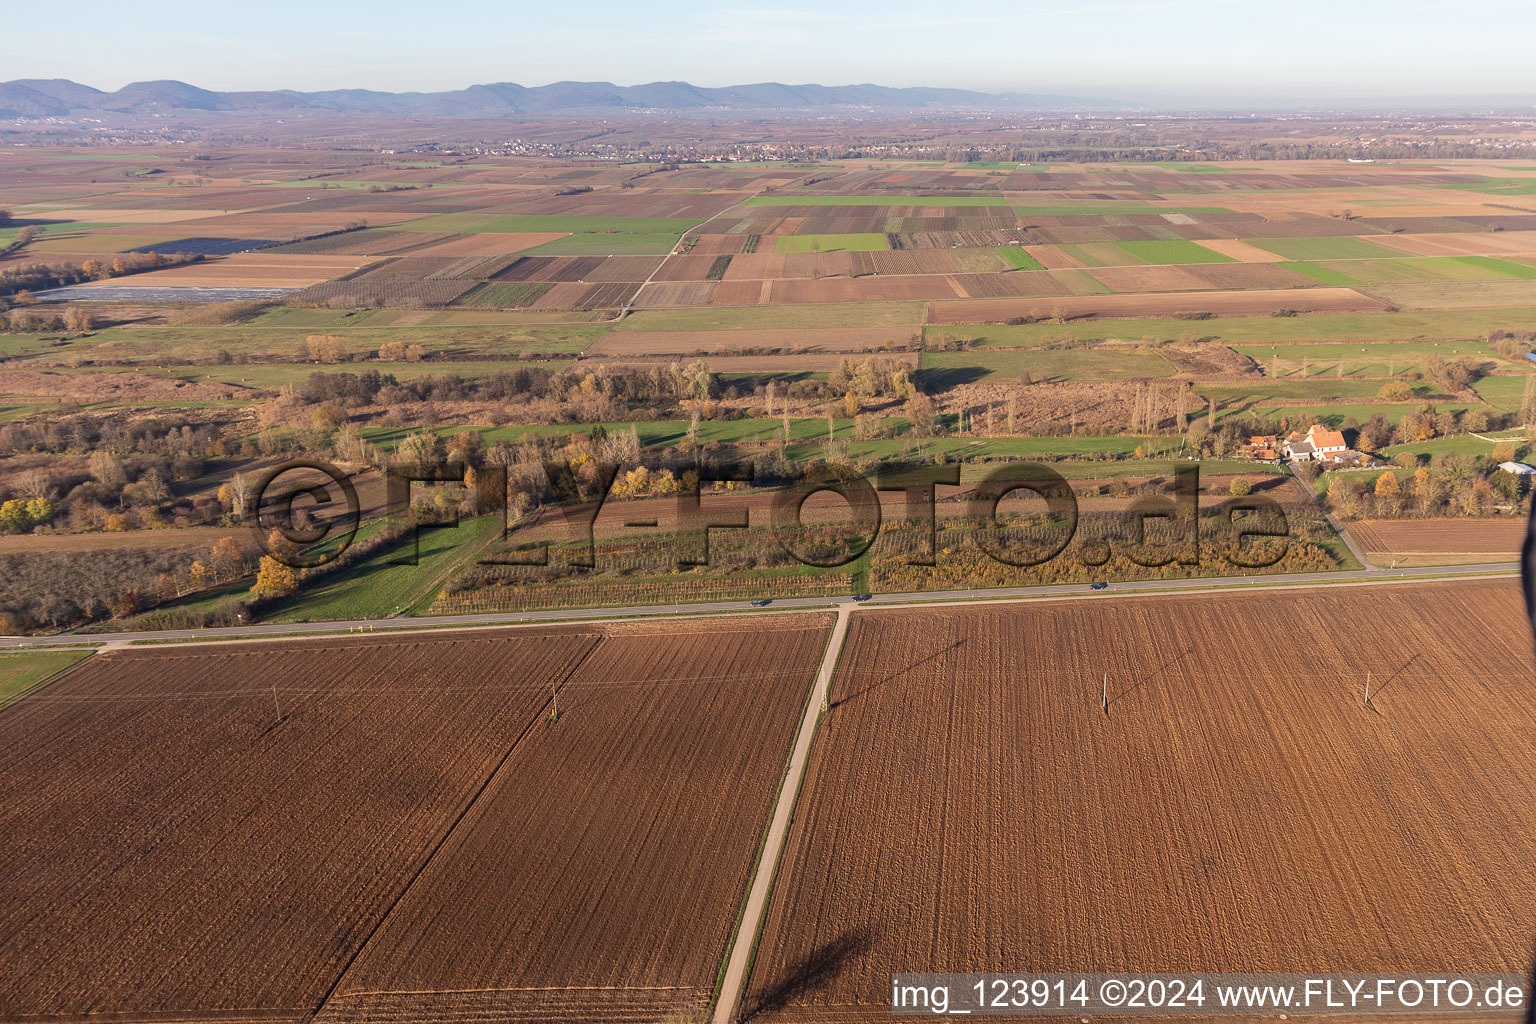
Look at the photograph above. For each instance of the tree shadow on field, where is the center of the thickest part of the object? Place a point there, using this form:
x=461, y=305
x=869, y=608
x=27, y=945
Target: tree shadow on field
x=812, y=972
x=894, y=675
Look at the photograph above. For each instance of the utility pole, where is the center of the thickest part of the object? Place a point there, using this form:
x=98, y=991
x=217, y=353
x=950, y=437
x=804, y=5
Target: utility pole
x=1104, y=694
x=275, y=704
x=1367, y=688
x=554, y=706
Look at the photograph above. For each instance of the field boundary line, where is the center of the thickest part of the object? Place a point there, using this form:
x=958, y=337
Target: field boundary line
x=738, y=965
x=453, y=826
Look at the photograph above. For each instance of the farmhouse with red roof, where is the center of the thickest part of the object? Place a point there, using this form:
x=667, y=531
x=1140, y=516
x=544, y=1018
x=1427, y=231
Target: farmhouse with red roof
x=1319, y=444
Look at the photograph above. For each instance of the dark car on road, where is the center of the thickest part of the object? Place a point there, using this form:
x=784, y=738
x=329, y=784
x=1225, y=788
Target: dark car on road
x=762, y=602
x=1098, y=586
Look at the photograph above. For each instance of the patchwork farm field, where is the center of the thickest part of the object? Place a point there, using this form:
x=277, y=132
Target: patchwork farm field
x=326, y=826
x=1295, y=231
x=969, y=807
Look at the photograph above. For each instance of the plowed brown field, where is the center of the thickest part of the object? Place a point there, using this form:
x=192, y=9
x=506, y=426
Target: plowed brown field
x=969, y=806
x=601, y=873
x=172, y=846
x=1442, y=541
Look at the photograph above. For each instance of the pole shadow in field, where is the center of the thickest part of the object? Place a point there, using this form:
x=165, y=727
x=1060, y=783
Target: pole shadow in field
x=813, y=972
x=1400, y=670
x=894, y=675
x=1144, y=680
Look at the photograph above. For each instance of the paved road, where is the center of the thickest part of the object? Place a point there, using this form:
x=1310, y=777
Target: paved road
x=641, y=611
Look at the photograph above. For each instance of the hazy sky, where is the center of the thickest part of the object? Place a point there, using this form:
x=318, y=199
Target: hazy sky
x=1135, y=50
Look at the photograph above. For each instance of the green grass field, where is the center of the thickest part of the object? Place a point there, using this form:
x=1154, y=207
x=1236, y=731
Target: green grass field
x=280, y=339
x=277, y=375
x=1414, y=269
x=504, y=293
x=375, y=588
x=1326, y=389
x=997, y=448
x=1375, y=359
x=1321, y=274
x=1504, y=268
x=659, y=432
x=946, y=369
x=1188, y=168
x=1301, y=416
x=1459, y=444
x=1326, y=247
x=786, y=199
x=810, y=316
x=1019, y=259
x=1249, y=330
x=1506, y=393
x=1498, y=186
x=855, y=242
x=1079, y=282
x=417, y=320
x=23, y=671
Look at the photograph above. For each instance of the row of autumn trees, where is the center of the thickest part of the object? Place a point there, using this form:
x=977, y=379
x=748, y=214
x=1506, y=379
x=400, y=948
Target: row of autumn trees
x=1450, y=484
x=19, y=282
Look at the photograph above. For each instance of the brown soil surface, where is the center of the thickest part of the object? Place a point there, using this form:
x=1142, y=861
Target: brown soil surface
x=250, y=270
x=200, y=537
x=970, y=807
x=1241, y=251
x=1499, y=535
x=176, y=847
x=613, y=850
